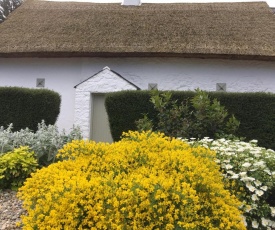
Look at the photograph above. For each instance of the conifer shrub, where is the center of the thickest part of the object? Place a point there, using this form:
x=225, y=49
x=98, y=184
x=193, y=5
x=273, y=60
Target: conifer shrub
x=144, y=181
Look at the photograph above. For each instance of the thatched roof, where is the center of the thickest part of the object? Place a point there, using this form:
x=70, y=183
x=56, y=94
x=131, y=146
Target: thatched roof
x=58, y=29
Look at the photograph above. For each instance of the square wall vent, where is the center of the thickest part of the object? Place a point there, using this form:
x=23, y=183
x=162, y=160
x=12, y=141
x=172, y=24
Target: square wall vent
x=152, y=86
x=221, y=87
x=40, y=82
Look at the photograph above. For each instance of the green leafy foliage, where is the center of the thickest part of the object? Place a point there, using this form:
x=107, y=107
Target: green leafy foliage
x=198, y=117
x=124, y=108
x=255, y=110
x=16, y=166
x=24, y=107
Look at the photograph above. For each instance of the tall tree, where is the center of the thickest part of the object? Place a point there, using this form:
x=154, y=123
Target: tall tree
x=7, y=6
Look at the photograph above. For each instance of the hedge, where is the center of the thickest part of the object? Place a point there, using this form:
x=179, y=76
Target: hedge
x=255, y=111
x=26, y=107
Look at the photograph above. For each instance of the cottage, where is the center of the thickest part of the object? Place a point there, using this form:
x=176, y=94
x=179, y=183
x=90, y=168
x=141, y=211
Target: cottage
x=84, y=50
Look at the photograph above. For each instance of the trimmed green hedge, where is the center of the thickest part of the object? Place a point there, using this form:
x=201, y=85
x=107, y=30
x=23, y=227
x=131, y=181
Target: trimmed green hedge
x=26, y=107
x=255, y=111
x=124, y=108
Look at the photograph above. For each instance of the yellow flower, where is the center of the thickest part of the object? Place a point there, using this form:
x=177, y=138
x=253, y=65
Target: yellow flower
x=145, y=181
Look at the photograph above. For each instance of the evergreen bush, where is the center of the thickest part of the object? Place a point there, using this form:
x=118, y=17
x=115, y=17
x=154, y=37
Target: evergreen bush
x=25, y=108
x=198, y=117
x=255, y=111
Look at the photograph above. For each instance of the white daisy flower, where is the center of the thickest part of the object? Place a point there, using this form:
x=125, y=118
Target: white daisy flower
x=259, y=192
x=246, y=164
x=265, y=222
x=254, y=197
x=255, y=224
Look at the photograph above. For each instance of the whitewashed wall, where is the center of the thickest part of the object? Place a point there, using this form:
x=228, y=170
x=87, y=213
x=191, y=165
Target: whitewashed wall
x=105, y=81
x=62, y=75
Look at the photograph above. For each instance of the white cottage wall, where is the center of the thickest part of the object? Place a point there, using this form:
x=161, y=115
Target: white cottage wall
x=103, y=82
x=62, y=74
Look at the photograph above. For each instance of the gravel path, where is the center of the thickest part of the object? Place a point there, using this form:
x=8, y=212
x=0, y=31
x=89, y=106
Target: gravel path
x=10, y=210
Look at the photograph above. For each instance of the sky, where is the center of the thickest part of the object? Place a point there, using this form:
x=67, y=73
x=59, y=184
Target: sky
x=271, y=3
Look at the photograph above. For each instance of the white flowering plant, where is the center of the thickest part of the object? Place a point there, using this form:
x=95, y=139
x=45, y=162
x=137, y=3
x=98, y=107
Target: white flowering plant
x=249, y=171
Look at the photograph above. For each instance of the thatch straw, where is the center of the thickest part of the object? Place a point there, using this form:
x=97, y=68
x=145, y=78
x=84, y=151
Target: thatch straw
x=230, y=30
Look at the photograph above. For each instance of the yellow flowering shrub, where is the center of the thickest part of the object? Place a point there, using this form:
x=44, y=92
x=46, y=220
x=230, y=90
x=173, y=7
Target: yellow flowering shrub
x=145, y=181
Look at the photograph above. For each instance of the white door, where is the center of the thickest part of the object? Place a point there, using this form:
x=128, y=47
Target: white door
x=100, y=129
